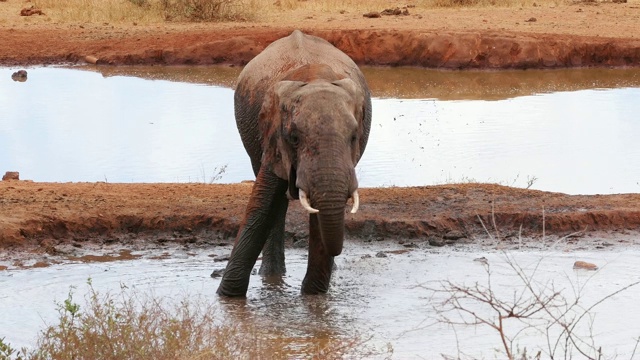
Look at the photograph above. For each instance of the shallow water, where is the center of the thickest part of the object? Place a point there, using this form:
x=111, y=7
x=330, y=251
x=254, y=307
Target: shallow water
x=385, y=298
x=571, y=131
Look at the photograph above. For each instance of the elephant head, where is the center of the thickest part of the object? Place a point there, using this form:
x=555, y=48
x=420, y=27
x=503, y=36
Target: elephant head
x=314, y=139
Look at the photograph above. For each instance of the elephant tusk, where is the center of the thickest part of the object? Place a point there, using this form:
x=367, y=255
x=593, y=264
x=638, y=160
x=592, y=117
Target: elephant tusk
x=356, y=202
x=304, y=201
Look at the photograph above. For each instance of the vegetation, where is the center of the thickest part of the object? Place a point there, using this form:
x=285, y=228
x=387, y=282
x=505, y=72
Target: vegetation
x=531, y=306
x=157, y=11
x=130, y=325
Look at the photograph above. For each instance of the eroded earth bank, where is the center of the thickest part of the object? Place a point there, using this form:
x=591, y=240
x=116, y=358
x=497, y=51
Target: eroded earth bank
x=43, y=218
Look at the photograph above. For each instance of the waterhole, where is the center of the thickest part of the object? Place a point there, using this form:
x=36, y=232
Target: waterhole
x=571, y=131
x=386, y=293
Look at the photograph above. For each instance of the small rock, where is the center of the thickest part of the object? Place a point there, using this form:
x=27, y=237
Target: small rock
x=301, y=244
x=32, y=10
x=366, y=256
x=20, y=76
x=254, y=272
x=454, y=235
x=531, y=19
x=372, y=15
x=217, y=273
x=91, y=59
x=584, y=265
x=395, y=11
x=11, y=175
x=482, y=260
x=381, y=254
x=436, y=241
x=221, y=258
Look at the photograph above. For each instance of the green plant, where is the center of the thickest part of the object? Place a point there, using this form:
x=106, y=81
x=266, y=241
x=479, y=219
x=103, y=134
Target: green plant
x=7, y=352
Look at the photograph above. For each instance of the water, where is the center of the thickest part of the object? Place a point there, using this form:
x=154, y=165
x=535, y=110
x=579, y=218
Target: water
x=571, y=131
x=384, y=298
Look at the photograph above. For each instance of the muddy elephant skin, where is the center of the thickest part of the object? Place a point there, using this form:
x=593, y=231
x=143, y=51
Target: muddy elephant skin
x=303, y=109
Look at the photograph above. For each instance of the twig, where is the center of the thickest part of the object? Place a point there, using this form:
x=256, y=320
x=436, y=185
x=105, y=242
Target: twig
x=634, y=348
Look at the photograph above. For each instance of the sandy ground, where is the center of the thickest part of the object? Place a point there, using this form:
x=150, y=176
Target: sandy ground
x=42, y=216
x=583, y=34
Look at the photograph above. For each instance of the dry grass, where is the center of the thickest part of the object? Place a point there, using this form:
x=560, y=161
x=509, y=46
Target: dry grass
x=130, y=325
x=158, y=11
x=99, y=11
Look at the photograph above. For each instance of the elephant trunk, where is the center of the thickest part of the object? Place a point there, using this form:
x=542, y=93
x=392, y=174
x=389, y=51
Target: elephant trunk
x=331, y=223
x=333, y=184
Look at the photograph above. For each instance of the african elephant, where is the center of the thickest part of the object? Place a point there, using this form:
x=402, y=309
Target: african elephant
x=303, y=109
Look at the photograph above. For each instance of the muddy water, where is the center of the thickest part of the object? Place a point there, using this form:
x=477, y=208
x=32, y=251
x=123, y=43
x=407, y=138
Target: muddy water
x=571, y=131
x=379, y=291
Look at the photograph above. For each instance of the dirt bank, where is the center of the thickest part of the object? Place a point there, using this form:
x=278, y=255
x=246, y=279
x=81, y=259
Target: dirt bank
x=41, y=215
x=584, y=34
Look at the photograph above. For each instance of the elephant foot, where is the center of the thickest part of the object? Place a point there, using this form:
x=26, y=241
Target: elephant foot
x=233, y=286
x=314, y=287
x=317, y=279
x=272, y=268
x=227, y=291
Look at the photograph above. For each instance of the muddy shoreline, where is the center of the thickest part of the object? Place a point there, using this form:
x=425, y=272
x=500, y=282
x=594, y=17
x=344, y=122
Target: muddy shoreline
x=441, y=50
x=578, y=34
x=40, y=217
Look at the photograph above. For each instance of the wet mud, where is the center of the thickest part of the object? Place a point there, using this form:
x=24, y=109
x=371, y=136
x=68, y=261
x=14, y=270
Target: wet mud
x=44, y=216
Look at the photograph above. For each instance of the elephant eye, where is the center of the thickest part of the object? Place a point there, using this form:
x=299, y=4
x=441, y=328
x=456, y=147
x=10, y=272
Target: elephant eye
x=294, y=138
x=354, y=138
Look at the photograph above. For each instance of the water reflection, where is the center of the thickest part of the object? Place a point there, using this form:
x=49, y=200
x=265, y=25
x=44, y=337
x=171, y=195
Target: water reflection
x=385, y=299
x=570, y=131
x=419, y=83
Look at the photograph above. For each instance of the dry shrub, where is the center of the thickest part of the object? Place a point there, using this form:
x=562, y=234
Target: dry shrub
x=208, y=10
x=158, y=11
x=101, y=11
x=130, y=325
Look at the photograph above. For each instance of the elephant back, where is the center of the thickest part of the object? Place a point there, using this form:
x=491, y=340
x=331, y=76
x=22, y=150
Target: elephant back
x=272, y=65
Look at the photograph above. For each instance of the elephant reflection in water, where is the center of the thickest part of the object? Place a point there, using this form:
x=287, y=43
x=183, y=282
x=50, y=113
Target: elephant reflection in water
x=303, y=110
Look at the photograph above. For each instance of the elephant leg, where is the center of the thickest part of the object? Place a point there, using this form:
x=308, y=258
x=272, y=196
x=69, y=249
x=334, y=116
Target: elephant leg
x=320, y=263
x=253, y=233
x=273, y=251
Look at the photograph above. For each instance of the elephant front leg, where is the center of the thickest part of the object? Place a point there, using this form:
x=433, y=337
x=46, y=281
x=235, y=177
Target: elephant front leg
x=252, y=234
x=320, y=263
x=273, y=251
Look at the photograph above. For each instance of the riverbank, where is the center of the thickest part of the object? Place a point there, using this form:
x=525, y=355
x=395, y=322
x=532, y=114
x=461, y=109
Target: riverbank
x=42, y=216
x=543, y=36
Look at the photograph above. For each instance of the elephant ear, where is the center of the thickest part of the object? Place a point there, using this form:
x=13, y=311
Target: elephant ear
x=357, y=96
x=346, y=84
x=276, y=107
x=359, y=108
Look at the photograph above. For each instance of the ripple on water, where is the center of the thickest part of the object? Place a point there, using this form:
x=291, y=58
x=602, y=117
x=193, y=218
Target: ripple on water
x=381, y=298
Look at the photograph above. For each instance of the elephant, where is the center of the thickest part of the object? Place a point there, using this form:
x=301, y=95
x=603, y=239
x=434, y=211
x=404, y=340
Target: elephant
x=303, y=110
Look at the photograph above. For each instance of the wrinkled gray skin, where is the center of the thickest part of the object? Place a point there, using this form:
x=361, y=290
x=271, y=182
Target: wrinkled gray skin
x=303, y=110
